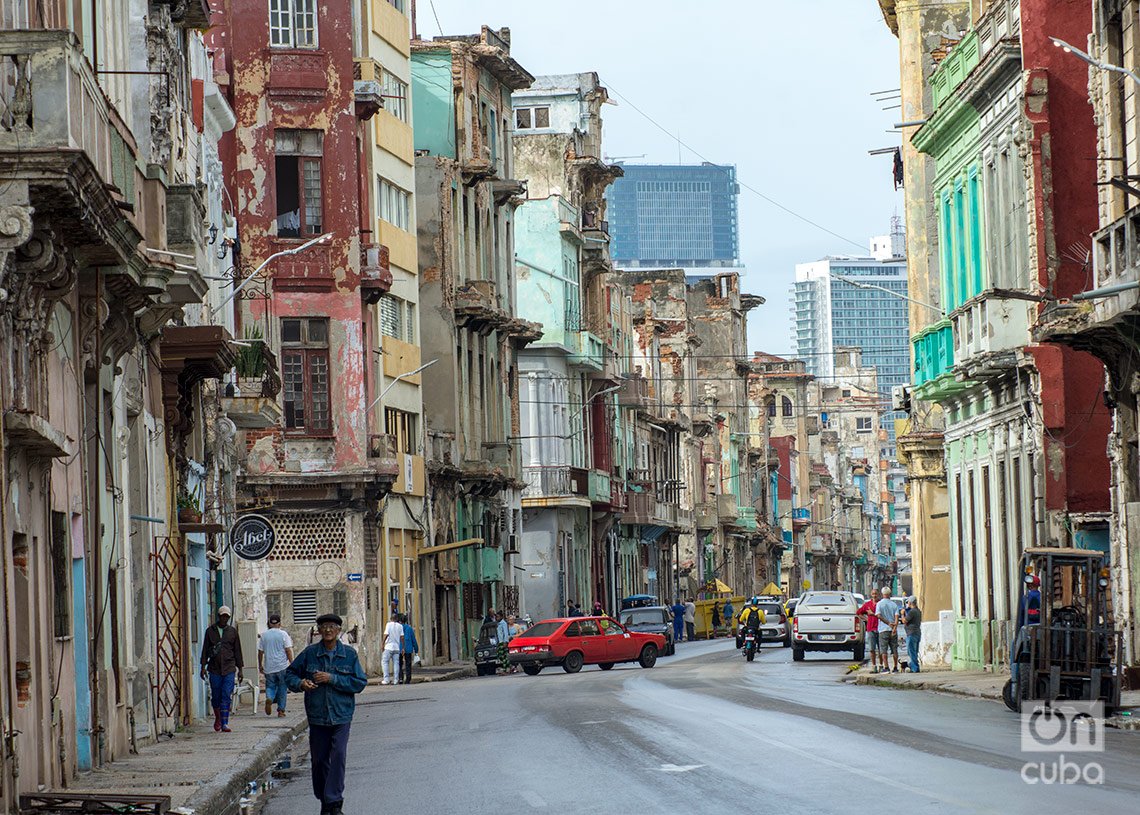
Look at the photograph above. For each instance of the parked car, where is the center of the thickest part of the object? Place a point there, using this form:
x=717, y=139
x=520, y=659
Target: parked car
x=487, y=650
x=639, y=601
x=651, y=620
x=574, y=642
x=827, y=621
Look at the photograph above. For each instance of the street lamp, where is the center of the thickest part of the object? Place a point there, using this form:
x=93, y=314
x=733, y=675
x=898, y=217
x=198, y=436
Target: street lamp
x=321, y=239
x=1093, y=61
x=397, y=378
x=859, y=285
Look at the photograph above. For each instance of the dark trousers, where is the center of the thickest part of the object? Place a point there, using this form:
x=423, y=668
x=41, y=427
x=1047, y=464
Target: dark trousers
x=690, y=631
x=406, y=668
x=678, y=631
x=328, y=750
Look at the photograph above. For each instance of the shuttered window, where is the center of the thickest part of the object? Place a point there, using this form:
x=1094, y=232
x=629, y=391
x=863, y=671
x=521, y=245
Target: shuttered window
x=304, y=608
x=305, y=375
x=398, y=319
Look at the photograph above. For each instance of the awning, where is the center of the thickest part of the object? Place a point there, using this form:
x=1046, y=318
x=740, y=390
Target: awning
x=716, y=586
x=771, y=589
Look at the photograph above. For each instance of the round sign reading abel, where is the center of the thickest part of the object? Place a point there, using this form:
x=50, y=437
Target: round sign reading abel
x=252, y=537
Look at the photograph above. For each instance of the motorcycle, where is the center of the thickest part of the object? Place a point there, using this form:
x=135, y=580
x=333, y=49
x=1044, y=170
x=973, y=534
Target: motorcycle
x=751, y=643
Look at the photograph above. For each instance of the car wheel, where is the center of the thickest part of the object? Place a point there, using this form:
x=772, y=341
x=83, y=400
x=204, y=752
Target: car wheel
x=787, y=641
x=648, y=656
x=531, y=670
x=797, y=654
x=605, y=666
x=672, y=649
x=573, y=662
x=1008, y=695
x=478, y=669
x=860, y=653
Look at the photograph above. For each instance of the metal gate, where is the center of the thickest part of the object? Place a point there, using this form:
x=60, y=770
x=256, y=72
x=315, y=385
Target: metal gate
x=169, y=578
x=510, y=601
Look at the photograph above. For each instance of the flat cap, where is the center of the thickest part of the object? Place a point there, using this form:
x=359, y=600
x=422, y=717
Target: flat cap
x=330, y=618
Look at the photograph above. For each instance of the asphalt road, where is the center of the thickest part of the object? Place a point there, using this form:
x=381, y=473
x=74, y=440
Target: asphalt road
x=702, y=732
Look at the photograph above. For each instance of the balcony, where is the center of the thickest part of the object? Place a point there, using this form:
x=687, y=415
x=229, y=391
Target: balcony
x=375, y=272
x=748, y=519
x=555, y=482
x=601, y=489
x=706, y=517
x=933, y=360
x=727, y=509
x=588, y=350
x=367, y=83
x=987, y=330
x=1116, y=260
x=635, y=393
x=251, y=402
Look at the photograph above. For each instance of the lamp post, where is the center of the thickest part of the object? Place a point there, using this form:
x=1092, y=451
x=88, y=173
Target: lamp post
x=295, y=250
x=397, y=378
x=859, y=285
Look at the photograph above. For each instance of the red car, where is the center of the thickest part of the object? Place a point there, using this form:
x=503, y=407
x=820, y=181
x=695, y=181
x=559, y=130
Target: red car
x=577, y=641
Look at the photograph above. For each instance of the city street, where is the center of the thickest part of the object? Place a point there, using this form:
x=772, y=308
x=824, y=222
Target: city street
x=701, y=732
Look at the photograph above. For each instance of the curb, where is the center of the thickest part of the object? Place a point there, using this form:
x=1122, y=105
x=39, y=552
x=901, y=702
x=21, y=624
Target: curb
x=458, y=673
x=221, y=795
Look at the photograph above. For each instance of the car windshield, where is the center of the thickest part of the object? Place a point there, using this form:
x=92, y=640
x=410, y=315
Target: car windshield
x=645, y=616
x=541, y=630
x=828, y=600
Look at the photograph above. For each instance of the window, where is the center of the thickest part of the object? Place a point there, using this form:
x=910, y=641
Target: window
x=846, y=394
x=340, y=603
x=272, y=604
x=293, y=23
x=787, y=406
x=305, y=374
x=398, y=319
x=304, y=608
x=401, y=426
x=297, y=167
x=395, y=204
x=863, y=424
x=530, y=118
x=60, y=573
x=395, y=93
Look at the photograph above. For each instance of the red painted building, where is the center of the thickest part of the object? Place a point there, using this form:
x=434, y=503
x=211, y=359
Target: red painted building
x=315, y=464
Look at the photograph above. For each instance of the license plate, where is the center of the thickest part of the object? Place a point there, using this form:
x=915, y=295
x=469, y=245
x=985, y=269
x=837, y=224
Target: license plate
x=827, y=636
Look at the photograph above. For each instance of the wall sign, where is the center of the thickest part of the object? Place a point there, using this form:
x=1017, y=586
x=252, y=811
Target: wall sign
x=252, y=537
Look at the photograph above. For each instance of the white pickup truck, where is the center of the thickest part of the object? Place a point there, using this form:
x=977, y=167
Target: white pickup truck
x=827, y=621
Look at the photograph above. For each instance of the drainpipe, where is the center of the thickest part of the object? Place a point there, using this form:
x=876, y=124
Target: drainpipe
x=7, y=745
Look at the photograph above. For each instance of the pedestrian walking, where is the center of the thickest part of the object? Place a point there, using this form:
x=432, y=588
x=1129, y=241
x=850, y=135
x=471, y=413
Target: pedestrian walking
x=221, y=662
x=715, y=620
x=410, y=649
x=887, y=610
x=678, y=609
x=690, y=620
x=729, y=613
x=329, y=674
x=871, y=624
x=393, y=647
x=598, y=610
x=502, y=637
x=274, y=653
x=912, y=620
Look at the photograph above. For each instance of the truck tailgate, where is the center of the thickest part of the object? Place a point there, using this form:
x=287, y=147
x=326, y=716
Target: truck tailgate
x=825, y=620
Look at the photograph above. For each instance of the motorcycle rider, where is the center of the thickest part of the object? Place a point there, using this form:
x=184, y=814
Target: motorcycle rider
x=751, y=618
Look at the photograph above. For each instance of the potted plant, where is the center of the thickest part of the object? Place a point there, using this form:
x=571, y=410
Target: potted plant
x=250, y=363
x=188, y=503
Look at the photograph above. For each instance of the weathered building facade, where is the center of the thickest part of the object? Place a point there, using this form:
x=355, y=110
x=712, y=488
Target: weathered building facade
x=315, y=461
x=466, y=194
x=572, y=454
x=1025, y=427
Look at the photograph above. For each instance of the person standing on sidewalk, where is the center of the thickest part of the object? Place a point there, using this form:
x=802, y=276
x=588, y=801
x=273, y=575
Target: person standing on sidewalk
x=393, y=647
x=912, y=622
x=411, y=648
x=690, y=620
x=221, y=662
x=678, y=609
x=715, y=620
x=887, y=610
x=329, y=674
x=502, y=638
x=274, y=653
x=871, y=623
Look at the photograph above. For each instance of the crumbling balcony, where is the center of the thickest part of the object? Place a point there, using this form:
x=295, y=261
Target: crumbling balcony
x=1116, y=261
x=987, y=330
x=375, y=272
x=555, y=482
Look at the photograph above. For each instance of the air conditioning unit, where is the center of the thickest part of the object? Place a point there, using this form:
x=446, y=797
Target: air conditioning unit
x=512, y=545
x=900, y=398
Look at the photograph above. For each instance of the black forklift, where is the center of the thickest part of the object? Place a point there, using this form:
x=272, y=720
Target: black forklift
x=1067, y=646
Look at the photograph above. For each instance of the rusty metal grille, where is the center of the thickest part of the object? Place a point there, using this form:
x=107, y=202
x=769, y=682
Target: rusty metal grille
x=169, y=578
x=510, y=600
x=309, y=537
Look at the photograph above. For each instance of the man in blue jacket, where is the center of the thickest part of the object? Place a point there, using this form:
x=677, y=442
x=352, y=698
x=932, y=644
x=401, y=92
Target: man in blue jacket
x=411, y=648
x=329, y=674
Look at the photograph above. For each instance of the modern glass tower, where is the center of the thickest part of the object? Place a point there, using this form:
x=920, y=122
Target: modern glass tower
x=856, y=301
x=674, y=215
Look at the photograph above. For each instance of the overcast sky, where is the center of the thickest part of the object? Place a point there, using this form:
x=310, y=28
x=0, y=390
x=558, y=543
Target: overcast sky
x=779, y=88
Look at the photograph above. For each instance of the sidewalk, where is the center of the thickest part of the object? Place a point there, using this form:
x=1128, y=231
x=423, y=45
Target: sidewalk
x=204, y=772
x=983, y=685
x=436, y=673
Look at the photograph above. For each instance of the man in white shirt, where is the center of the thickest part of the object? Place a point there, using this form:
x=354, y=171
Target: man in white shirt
x=690, y=620
x=274, y=653
x=393, y=645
